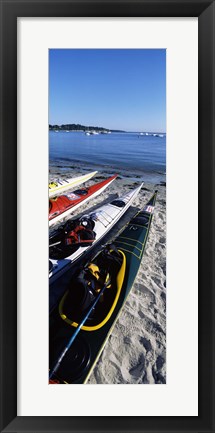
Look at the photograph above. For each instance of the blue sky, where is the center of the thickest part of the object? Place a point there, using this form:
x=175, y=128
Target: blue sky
x=113, y=88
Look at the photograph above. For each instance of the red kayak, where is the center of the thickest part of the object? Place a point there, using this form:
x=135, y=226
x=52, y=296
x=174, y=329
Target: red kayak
x=61, y=206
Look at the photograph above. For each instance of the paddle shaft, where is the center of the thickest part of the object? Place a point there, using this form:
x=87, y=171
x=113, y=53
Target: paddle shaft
x=63, y=353
x=56, y=243
x=84, y=241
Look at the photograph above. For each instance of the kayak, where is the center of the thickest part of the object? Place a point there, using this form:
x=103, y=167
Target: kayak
x=60, y=185
x=60, y=207
x=118, y=263
x=84, y=290
x=76, y=236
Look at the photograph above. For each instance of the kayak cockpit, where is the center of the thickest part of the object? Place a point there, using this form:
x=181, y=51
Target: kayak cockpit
x=118, y=203
x=110, y=267
x=71, y=236
x=81, y=192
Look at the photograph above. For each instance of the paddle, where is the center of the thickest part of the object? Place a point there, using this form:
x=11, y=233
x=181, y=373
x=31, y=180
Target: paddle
x=84, y=241
x=63, y=353
x=56, y=243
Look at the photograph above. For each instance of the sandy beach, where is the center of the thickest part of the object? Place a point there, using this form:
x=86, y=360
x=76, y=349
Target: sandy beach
x=135, y=352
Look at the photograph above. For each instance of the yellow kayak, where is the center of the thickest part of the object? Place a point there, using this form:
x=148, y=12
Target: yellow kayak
x=61, y=185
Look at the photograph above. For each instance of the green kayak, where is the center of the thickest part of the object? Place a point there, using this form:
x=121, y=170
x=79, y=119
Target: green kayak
x=115, y=267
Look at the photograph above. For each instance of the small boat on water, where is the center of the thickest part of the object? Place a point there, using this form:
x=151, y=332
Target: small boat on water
x=91, y=133
x=61, y=185
x=93, y=301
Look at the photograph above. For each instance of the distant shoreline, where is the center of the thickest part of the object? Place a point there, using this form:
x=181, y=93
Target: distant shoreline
x=78, y=127
x=82, y=128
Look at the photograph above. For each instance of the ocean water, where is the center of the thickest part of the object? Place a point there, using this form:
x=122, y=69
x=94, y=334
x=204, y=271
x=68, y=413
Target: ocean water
x=127, y=153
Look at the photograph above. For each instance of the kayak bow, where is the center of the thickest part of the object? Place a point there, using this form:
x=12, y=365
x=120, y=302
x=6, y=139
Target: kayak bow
x=60, y=207
x=61, y=185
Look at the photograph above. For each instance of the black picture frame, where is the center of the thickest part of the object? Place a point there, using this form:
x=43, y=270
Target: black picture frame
x=10, y=11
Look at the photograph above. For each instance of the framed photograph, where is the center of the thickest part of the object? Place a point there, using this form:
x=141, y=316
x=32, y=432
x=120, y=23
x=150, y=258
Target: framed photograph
x=95, y=89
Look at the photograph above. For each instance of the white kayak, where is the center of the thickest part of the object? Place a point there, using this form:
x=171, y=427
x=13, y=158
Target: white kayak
x=77, y=235
x=60, y=185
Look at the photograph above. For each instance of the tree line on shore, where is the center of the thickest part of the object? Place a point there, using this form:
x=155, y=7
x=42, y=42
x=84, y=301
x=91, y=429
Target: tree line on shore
x=78, y=127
